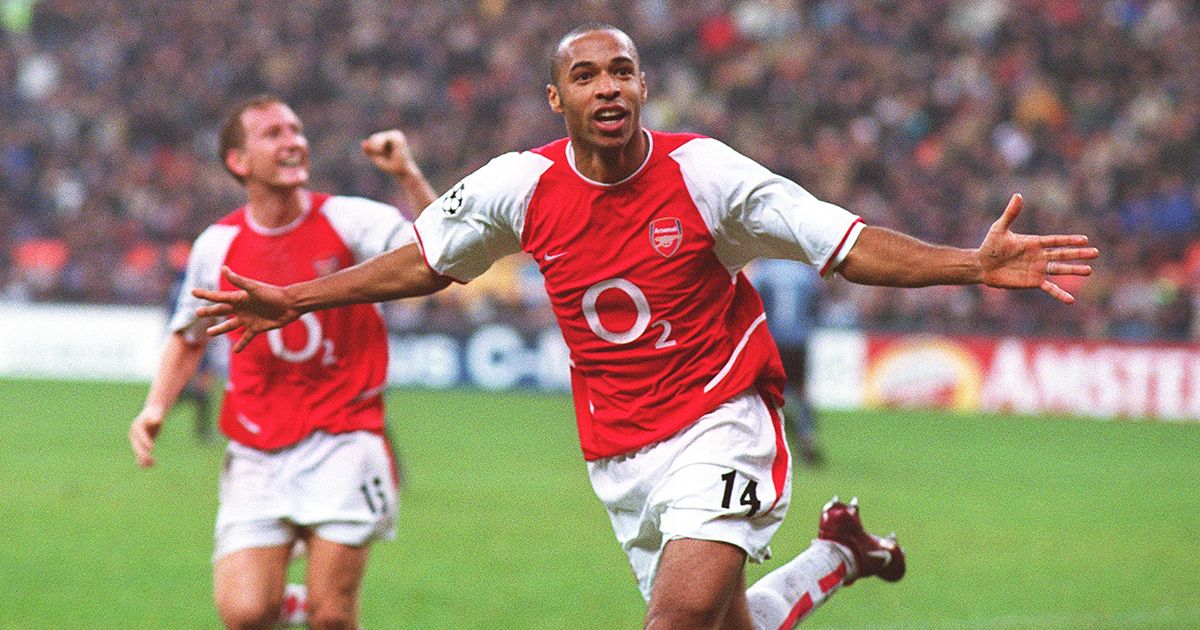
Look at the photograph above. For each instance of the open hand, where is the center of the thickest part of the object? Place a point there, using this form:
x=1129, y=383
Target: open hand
x=1018, y=261
x=256, y=307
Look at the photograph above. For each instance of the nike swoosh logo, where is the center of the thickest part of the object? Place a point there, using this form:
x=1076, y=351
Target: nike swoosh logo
x=549, y=257
x=881, y=554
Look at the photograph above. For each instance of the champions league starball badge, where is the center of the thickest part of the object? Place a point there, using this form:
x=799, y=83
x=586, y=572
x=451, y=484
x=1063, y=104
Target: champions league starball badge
x=453, y=201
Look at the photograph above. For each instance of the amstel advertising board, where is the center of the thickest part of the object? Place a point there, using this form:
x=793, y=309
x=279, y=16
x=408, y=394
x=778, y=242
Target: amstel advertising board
x=1079, y=378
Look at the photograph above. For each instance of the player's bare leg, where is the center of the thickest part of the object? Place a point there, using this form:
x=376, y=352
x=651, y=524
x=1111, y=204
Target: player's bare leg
x=248, y=586
x=698, y=585
x=335, y=574
x=739, y=616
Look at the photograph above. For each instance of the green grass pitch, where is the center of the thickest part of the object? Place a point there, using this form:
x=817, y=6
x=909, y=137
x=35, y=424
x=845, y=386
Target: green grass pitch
x=1009, y=522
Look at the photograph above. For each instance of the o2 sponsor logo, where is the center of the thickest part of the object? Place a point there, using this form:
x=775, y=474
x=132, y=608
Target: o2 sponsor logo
x=641, y=324
x=313, y=343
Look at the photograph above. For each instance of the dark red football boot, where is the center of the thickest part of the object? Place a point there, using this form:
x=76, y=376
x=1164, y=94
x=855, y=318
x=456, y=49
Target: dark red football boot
x=841, y=523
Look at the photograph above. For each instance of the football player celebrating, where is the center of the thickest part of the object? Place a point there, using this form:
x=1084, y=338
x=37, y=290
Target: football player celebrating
x=641, y=237
x=308, y=459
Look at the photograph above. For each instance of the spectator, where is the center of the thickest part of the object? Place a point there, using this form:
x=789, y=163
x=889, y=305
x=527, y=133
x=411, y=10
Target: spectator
x=108, y=108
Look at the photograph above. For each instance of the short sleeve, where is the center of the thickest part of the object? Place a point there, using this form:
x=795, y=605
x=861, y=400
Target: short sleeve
x=480, y=219
x=203, y=272
x=754, y=213
x=367, y=227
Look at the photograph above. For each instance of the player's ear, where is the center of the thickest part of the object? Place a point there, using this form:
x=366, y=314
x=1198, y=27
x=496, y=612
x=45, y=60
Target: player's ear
x=553, y=98
x=645, y=90
x=235, y=161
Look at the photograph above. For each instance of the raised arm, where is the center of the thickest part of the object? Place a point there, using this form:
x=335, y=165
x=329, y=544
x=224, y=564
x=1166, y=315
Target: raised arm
x=1004, y=259
x=258, y=307
x=390, y=152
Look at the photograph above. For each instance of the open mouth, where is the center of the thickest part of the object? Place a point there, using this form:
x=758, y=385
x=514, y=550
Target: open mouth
x=292, y=161
x=610, y=119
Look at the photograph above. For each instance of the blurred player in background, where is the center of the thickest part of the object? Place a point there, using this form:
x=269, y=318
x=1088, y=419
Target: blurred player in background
x=790, y=291
x=307, y=460
x=640, y=237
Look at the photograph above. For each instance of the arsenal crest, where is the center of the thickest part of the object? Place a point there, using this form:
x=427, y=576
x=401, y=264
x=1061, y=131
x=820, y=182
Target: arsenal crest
x=666, y=235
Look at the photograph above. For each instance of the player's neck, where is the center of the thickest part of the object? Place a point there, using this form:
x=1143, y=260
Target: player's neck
x=609, y=166
x=275, y=207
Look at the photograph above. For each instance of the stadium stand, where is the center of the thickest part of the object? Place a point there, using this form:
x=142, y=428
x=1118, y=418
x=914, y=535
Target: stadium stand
x=920, y=115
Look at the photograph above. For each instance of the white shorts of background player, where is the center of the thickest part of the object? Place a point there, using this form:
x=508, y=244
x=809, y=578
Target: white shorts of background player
x=340, y=486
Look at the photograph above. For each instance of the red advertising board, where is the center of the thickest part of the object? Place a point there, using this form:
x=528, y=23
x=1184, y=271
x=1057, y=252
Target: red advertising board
x=1085, y=378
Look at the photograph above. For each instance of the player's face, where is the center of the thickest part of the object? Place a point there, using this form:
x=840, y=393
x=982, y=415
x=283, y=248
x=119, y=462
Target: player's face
x=275, y=153
x=600, y=90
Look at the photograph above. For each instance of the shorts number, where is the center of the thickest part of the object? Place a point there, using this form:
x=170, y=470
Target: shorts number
x=749, y=494
x=375, y=487
x=640, y=324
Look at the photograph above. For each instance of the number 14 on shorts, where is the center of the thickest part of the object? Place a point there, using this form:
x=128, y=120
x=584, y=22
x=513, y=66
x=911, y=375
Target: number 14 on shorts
x=749, y=496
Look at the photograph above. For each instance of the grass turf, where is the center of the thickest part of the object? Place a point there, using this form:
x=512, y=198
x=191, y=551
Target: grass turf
x=1008, y=522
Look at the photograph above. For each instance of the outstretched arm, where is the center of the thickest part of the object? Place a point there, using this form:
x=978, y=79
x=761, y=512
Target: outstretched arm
x=1004, y=259
x=390, y=152
x=258, y=307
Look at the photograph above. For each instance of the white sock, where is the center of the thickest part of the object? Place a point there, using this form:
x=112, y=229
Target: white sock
x=295, y=606
x=781, y=598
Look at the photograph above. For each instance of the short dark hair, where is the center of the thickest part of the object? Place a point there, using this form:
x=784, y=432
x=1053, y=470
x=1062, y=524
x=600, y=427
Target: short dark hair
x=575, y=32
x=233, y=132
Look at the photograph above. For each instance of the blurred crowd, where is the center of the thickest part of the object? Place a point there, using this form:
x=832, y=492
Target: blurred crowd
x=920, y=115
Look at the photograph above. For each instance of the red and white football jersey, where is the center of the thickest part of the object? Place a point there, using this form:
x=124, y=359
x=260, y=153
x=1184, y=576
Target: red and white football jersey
x=644, y=274
x=325, y=371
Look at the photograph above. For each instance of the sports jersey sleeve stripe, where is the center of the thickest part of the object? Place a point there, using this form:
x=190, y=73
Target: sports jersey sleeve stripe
x=480, y=219
x=203, y=272
x=368, y=228
x=754, y=213
x=843, y=247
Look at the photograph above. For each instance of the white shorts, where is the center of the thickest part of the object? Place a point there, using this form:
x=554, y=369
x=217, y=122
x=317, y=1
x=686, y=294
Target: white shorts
x=340, y=486
x=727, y=478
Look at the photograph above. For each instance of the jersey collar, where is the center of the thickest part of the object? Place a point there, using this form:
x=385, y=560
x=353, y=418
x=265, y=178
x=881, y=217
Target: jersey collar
x=649, y=152
x=263, y=230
